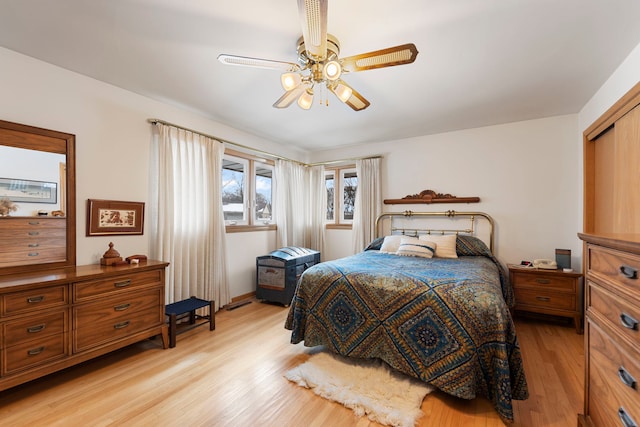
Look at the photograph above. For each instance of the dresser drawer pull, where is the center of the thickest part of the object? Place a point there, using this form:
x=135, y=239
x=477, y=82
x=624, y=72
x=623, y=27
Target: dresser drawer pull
x=121, y=307
x=121, y=325
x=33, y=300
x=122, y=284
x=34, y=222
x=543, y=281
x=33, y=245
x=543, y=299
x=37, y=328
x=628, y=321
x=34, y=253
x=628, y=272
x=627, y=421
x=33, y=233
x=626, y=378
x=35, y=351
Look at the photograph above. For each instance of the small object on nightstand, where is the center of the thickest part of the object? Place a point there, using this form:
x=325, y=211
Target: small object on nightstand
x=111, y=256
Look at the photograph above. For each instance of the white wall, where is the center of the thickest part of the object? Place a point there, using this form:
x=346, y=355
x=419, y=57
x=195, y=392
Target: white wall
x=527, y=175
x=112, y=148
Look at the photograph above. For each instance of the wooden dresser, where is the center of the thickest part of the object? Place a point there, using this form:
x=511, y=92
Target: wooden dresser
x=53, y=319
x=612, y=266
x=32, y=240
x=612, y=336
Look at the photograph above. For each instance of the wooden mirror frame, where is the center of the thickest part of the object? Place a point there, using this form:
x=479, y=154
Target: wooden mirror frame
x=33, y=138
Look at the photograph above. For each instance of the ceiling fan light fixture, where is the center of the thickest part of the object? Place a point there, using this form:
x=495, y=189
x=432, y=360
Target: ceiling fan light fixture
x=306, y=99
x=332, y=70
x=342, y=91
x=290, y=80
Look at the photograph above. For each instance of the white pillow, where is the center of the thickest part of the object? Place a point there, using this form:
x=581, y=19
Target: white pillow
x=412, y=246
x=391, y=244
x=446, y=244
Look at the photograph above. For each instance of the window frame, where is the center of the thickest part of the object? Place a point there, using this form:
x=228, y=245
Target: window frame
x=338, y=172
x=251, y=223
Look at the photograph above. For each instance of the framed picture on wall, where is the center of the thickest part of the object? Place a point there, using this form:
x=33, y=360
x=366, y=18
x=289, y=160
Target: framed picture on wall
x=112, y=217
x=25, y=190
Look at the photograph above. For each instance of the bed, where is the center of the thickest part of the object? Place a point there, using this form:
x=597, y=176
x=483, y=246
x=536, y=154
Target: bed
x=445, y=321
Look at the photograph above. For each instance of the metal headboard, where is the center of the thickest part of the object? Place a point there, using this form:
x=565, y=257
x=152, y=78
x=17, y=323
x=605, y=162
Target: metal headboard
x=471, y=216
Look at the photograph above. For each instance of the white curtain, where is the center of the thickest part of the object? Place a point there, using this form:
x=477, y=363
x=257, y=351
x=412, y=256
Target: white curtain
x=186, y=222
x=368, y=202
x=300, y=197
x=318, y=208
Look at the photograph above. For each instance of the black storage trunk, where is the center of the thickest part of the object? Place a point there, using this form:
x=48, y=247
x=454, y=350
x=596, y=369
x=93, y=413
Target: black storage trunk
x=278, y=273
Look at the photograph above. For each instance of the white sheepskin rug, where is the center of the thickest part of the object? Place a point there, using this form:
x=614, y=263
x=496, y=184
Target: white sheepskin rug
x=368, y=387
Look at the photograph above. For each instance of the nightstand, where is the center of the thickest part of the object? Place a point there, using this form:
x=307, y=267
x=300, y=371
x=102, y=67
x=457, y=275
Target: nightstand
x=553, y=292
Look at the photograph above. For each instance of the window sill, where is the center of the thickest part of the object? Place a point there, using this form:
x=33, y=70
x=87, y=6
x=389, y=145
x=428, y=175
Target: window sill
x=338, y=226
x=249, y=228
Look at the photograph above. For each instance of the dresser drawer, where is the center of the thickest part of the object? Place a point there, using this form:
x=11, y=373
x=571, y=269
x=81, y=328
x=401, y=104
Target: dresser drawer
x=33, y=353
x=619, y=268
x=32, y=300
x=91, y=289
x=116, y=309
x=87, y=336
x=543, y=298
x=613, y=383
x=623, y=317
x=34, y=328
x=539, y=280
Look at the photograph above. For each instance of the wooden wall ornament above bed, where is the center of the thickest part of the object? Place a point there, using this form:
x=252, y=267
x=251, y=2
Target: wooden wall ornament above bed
x=430, y=196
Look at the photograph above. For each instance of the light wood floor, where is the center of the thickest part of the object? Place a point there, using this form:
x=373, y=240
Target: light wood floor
x=233, y=377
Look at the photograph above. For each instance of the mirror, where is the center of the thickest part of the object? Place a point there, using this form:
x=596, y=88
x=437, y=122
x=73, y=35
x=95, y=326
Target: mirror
x=37, y=179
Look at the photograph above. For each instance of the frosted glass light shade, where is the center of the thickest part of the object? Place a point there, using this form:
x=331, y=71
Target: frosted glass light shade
x=290, y=80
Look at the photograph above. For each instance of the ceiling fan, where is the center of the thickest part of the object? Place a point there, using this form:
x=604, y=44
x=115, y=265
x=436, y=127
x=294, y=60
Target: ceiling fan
x=319, y=63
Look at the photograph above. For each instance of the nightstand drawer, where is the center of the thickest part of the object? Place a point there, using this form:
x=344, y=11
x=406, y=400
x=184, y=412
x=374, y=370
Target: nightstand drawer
x=543, y=299
x=540, y=280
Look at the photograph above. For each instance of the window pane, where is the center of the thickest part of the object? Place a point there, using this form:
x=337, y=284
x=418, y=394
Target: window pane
x=349, y=186
x=330, y=184
x=233, y=179
x=264, y=181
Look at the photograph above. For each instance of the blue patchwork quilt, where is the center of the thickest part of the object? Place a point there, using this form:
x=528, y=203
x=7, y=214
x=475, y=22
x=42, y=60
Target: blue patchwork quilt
x=443, y=321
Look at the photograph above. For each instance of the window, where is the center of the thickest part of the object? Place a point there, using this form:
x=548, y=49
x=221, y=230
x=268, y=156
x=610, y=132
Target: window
x=341, y=184
x=247, y=184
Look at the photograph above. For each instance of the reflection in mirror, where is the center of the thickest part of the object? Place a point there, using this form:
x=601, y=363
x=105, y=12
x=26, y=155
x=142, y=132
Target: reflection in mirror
x=33, y=180
x=37, y=176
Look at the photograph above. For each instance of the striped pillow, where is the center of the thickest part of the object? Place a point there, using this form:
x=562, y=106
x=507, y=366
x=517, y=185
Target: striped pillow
x=412, y=246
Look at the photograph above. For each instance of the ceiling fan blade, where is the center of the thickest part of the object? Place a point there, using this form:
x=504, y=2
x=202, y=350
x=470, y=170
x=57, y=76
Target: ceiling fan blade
x=290, y=96
x=313, y=17
x=245, y=61
x=397, y=55
x=355, y=101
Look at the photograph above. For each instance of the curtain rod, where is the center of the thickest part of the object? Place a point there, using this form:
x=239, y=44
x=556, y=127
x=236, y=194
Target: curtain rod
x=255, y=150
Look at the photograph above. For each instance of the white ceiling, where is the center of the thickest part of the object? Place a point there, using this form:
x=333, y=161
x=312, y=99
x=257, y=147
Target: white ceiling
x=481, y=62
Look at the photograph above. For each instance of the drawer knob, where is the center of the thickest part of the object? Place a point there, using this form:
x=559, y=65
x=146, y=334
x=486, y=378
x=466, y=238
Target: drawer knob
x=121, y=307
x=543, y=281
x=37, y=328
x=32, y=300
x=121, y=325
x=626, y=378
x=628, y=321
x=122, y=284
x=627, y=421
x=628, y=272
x=35, y=351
